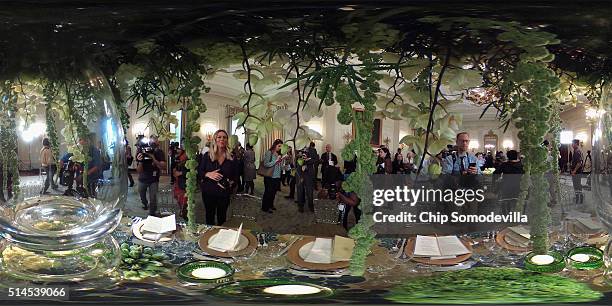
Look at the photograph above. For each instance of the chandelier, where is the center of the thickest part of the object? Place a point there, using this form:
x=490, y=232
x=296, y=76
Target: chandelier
x=483, y=96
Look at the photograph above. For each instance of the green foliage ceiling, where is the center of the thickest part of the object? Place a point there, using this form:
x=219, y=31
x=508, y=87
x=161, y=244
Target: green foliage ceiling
x=34, y=34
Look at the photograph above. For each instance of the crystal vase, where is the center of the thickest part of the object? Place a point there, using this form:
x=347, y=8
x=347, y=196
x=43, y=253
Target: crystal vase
x=58, y=209
x=601, y=179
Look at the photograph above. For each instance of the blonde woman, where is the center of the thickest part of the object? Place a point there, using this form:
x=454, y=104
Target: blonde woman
x=219, y=173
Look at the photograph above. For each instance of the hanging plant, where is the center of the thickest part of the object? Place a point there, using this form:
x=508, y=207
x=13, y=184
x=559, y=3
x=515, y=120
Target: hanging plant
x=555, y=132
x=359, y=181
x=194, y=108
x=8, y=137
x=530, y=87
x=50, y=93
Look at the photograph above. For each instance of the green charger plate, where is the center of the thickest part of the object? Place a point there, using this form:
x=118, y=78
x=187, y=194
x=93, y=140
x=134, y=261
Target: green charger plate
x=184, y=272
x=595, y=261
x=253, y=290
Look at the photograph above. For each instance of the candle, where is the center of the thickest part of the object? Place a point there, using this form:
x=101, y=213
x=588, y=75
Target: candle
x=208, y=273
x=542, y=260
x=292, y=290
x=580, y=257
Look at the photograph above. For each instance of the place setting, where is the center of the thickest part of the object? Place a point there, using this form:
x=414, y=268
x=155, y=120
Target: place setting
x=153, y=230
x=320, y=257
x=515, y=239
x=439, y=253
x=227, y=245
x=587, y=229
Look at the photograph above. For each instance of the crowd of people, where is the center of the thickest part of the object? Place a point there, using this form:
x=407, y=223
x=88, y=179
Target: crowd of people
x=223, y=171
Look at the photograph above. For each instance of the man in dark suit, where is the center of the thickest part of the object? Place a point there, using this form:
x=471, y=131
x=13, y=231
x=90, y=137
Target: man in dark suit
x=306, y=178
x=329, y=162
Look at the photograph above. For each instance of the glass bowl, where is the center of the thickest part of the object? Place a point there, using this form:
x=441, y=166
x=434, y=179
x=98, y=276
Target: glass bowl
x=68, y=197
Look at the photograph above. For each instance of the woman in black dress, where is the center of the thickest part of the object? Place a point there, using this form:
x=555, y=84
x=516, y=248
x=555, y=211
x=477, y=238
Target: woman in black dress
x=219, y=173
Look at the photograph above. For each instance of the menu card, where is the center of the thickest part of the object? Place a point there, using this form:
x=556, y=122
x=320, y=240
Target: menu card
x=439, y=247
x=159, y=225
x=225, y=240
x=342, y=249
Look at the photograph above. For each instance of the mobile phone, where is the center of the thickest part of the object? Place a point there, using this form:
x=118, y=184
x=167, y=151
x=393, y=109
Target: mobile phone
x=472, y=165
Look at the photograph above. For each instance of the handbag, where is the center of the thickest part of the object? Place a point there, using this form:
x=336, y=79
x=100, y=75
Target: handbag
x=265, y=171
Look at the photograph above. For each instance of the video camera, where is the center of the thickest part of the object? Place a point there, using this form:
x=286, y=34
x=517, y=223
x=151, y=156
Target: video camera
x=143, y=146
x=303, y=154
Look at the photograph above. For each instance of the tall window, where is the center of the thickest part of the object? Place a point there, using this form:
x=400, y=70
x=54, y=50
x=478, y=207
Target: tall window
x=239, y=132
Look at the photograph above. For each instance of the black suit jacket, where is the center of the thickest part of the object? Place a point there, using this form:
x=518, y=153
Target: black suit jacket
x=325, y=157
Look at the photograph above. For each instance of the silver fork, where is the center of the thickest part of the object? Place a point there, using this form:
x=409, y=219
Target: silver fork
x=401, y=249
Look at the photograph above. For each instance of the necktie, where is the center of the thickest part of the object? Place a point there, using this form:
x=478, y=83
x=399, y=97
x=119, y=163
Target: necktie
x=462, y=166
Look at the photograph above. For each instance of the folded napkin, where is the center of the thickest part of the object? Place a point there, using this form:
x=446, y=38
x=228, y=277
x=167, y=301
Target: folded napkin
x=320, y=252
x=155, y=236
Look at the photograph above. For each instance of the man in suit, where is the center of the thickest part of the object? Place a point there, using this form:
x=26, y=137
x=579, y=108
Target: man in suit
x=306, y=178
x=329, y=162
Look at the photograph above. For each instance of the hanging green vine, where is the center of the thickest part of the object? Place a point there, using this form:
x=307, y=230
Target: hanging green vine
x=530, y=87
x=555, y=132
x=8, y=137
x=50, y=94
x=193, y=110
x=359, y=181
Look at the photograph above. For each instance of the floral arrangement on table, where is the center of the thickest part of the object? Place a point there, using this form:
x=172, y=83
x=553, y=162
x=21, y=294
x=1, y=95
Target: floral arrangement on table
x=138, y=262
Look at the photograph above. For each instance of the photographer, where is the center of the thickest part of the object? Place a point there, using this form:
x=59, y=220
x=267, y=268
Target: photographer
x=150, y=162
x=462, y=162
x=219, y=175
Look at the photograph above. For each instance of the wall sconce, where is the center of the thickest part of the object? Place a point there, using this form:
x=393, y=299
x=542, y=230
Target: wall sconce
x=508, y=144
x=348, y=136
x=387, y=140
